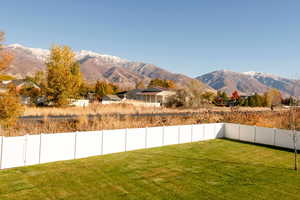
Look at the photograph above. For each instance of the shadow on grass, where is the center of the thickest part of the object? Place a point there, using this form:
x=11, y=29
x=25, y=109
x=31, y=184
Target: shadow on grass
x=264, y=145
x=219, y=161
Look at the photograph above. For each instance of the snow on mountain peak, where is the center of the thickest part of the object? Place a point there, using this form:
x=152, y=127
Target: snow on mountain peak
x=261, y=74
x=84, y=53
x=43, y=54
x=251, y=73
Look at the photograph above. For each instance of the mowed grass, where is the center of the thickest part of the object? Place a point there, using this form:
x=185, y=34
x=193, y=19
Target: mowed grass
x=216, y=169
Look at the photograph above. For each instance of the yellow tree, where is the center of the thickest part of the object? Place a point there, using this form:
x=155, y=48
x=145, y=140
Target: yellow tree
x=64, y=78
x=5, y=57
x=10, y=107
x=272, y=97
x=161, y=83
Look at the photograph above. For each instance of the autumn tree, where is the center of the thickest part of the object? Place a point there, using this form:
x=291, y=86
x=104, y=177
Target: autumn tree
x=5, y=57
x=140, y=85
x=221, y=98
x=64, y=78
x=103, y=88
x=272, y=97
x=208, y=96
x=10, y=107
x=161, y=83
x=235, y=96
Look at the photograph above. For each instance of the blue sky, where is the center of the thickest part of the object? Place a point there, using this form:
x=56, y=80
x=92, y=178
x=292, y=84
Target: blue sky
x=191, y=37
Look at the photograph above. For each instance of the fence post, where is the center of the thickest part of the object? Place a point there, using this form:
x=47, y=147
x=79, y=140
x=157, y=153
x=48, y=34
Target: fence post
x=40, y=148
x=1, y=155
x=178, y=134
x=146, y=135
x=25, y=148
x=163, y=136
x=102, y=136
x=192, y=132
x=215, y=131
x=254, y=139
x=126, y=131
x=204, y=132
x=239, y=131
x=75, y=144
x=274, y=131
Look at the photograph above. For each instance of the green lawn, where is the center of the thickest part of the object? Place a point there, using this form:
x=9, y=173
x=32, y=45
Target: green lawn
x=216, y=169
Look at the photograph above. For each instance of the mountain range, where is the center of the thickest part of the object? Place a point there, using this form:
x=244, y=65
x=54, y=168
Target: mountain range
x=247, y=83
x=95, y=66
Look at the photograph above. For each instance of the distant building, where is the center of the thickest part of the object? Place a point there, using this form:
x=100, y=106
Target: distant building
x=150, y=95
x=18, y=84
x=80, y=102
x=108, y=99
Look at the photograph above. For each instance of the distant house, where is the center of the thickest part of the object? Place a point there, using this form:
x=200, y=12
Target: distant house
x=108, y=99
x=80, y=102
x=155, y=96
x=131, y=94
x=18, y=84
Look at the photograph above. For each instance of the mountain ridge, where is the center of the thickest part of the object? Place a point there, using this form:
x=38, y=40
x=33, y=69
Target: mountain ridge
x=94, y=66
x=251, y=82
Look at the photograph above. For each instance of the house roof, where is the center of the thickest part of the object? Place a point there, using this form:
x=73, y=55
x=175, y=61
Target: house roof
x=155, y=89
x=17, y=82
x=112, y=97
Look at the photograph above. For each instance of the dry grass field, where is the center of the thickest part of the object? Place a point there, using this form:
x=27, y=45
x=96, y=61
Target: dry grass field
x=97, y=108
x=277, y=119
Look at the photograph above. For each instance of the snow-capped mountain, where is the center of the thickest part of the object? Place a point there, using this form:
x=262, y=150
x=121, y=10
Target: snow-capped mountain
x=94, y=66
x=43, y=54
x=250, y=82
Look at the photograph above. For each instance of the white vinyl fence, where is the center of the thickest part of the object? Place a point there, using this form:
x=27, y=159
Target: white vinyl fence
x=261, y=135
x=35, y=149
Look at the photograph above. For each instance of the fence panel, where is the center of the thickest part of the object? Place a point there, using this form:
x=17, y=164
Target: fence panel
x=88, y=144
x=185, y=134
x=284, y=138
x=136, y=139
x=13, y=152
x=114, y=141
x=298, y=140
x=171, y=135
x=154, y=137
x=32, y=149
x=198, y=132
x=55, y=147
x=232, y=131
x=247, y=133
x=1, y=147
x=219, y=130
x=209, y=131
x=265, y=135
